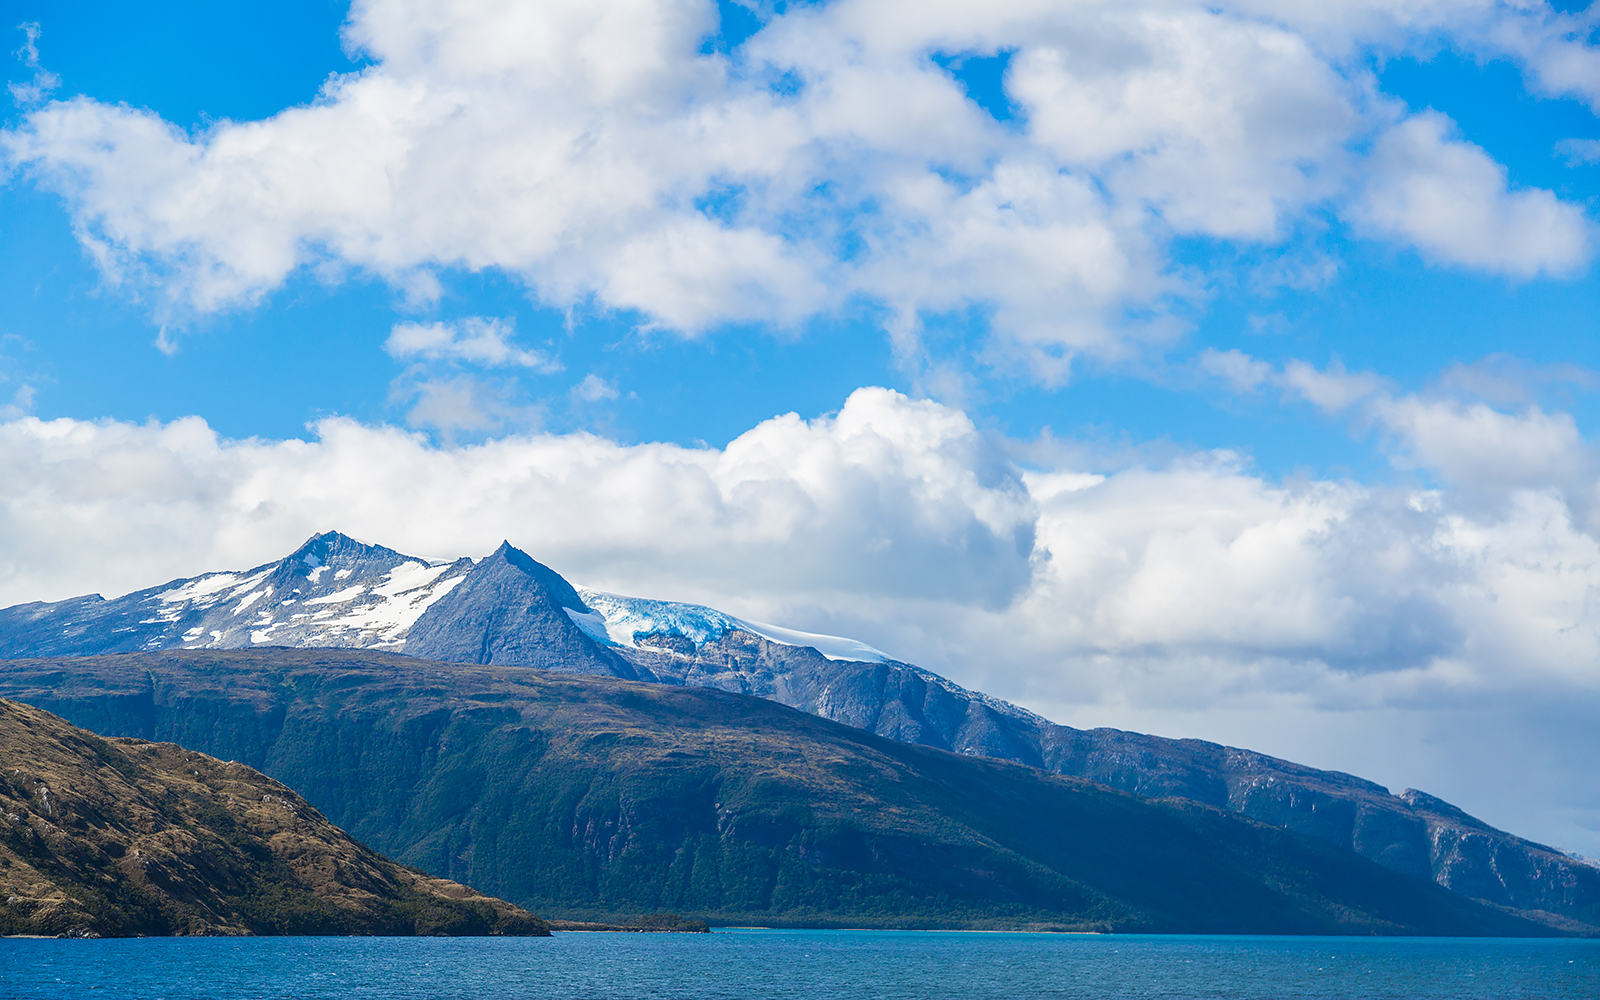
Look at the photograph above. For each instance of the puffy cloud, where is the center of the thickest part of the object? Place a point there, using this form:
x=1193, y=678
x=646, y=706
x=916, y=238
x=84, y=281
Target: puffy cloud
x=600, y=150
x=1193, y=592
x=890, y=495
x=1466, y=442
x=1449, y=199
x=1238, y=369
x=1474, y=445
x=891, y=504
x=1330, y=389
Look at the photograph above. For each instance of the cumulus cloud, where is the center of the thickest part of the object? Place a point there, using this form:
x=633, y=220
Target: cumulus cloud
x=890, y=503
x=890, y=495
x=1453, y=431
x=1098, y=595
x=1451, y=201
x=600, y=151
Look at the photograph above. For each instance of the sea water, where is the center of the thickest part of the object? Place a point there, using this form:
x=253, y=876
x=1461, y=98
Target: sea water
x=803, y=965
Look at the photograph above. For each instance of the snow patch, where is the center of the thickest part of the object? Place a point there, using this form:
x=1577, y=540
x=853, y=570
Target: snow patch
x=409, y=576
x=834, y=647
x=251, y=599
x=347, y=594
x=627, y=619
x=314, y=574
x=249, y=582
x=594, y=626
x=200, y=586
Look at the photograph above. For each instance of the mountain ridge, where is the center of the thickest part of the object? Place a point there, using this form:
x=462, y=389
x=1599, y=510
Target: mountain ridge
x=586, y=796
x=336, y=592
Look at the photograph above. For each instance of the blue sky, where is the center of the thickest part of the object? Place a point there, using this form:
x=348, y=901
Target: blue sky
x=88, y=351
x=1238, y=360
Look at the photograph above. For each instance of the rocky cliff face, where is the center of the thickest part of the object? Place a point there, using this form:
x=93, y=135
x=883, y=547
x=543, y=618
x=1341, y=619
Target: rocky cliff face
x=506, y=608
x=118, y=837
x=587, y=797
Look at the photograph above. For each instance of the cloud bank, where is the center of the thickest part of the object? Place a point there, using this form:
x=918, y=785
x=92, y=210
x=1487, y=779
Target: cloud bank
x=614, y=152
x=1094, y=594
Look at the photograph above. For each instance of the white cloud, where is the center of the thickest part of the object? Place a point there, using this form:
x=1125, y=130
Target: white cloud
x=461, y=404
x=21, y=402
x=44, y=82
x=1193, y=590
x=593, y=389
x=595, y=152
x=1240, y=370
x=1579, y=151
x=1474, y=445
x=888, y=496
x=1331, y=389
x=1476, y=448
x=1449, y=199
x=475, y=339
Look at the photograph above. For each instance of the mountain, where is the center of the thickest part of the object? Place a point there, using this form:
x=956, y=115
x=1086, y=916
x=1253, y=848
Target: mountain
x=589, y=796
x=335, y=592
x=121, y=837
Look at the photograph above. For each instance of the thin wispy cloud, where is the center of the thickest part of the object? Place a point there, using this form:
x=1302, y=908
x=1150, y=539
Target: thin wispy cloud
x=476, y=340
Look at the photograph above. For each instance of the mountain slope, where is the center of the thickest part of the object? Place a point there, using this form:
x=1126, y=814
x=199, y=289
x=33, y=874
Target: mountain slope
x=509, y=609
x=1412, y=832
x=121, y=837
x=592, y=796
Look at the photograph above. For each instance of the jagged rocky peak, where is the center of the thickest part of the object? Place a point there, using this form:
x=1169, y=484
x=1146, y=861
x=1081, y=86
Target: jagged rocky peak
x=337, y=591
x=562, y=592
x=509, y=609
x=333, y=548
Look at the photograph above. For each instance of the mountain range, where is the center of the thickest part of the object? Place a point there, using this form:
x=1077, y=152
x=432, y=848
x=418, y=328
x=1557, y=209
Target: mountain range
x=507, y=609
x=589, y=797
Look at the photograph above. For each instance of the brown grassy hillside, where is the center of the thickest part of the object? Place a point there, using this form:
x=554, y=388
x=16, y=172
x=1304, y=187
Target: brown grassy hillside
x=117, y=837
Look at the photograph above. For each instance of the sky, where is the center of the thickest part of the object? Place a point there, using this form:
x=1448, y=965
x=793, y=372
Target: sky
x=1219, y=370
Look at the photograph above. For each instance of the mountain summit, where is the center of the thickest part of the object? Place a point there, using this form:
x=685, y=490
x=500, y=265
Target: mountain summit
x=507, y=609
x=336, y=592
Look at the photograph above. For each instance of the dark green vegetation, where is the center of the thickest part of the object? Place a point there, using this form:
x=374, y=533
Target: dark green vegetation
x=586, y=798
x=510, y=610
x=121, y=837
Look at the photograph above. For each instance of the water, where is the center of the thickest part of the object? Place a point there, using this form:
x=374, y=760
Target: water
x=803, y=965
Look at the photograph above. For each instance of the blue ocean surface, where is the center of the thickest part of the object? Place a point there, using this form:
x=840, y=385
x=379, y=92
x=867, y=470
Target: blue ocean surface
x=803, y=965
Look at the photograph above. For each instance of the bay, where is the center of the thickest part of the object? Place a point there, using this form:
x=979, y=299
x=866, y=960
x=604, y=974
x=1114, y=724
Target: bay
x=804, y=965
